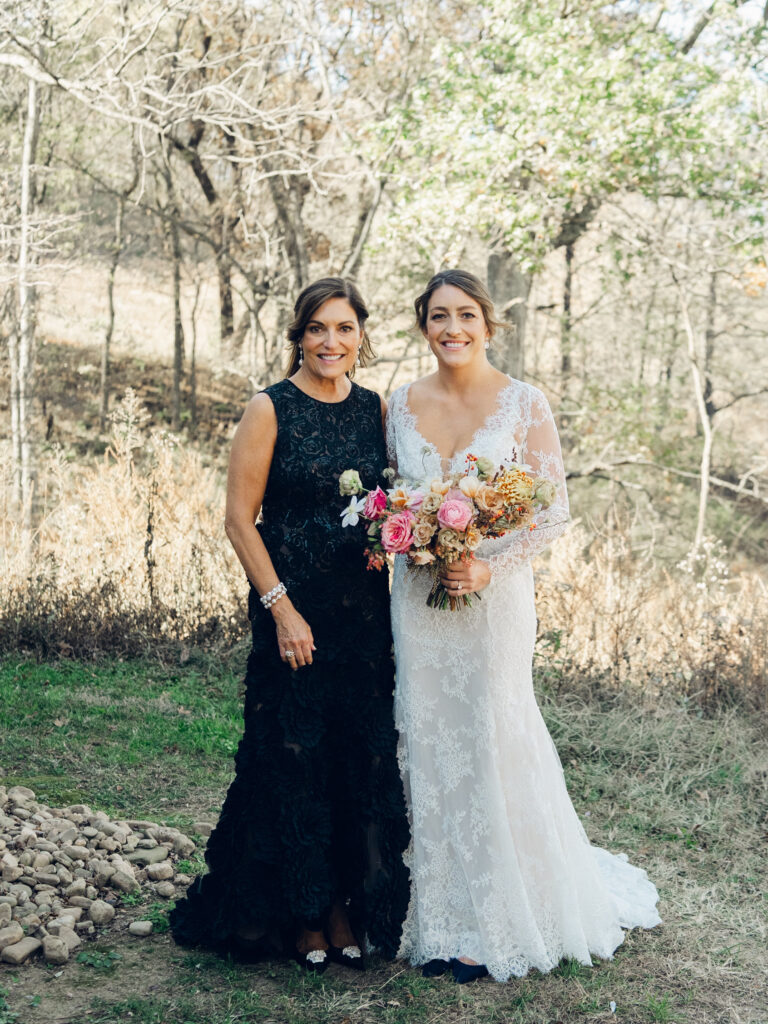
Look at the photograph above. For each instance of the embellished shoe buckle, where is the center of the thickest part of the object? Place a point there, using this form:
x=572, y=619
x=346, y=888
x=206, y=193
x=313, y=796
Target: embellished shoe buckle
x=316, y=956
x=353, y=952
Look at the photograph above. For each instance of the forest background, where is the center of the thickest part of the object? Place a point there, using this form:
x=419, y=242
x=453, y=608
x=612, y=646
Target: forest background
x=173, y=173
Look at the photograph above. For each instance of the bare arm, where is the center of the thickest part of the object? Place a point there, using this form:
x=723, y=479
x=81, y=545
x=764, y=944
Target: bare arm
x=249, y=463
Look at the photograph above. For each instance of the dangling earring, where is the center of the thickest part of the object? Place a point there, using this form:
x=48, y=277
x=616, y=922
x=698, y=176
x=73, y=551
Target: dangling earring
x=487, y=343
x=301, y=355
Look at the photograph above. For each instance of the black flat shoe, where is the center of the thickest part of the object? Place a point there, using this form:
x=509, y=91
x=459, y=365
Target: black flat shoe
x=434, y=968
x=349, y=956
x=315, y=961
x=462, y=973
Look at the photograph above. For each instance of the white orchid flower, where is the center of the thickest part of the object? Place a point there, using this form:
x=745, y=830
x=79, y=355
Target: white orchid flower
x=351, y=514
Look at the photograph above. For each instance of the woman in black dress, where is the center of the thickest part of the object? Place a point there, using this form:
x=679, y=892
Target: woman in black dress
x=307, y=855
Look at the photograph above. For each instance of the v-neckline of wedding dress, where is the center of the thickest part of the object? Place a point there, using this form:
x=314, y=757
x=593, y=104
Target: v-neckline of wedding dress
x=447, y=462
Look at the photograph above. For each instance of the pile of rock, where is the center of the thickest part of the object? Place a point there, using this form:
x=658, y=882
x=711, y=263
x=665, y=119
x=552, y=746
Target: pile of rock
x=63, y=869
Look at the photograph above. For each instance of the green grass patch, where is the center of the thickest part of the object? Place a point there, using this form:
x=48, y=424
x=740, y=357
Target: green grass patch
x=131, y=738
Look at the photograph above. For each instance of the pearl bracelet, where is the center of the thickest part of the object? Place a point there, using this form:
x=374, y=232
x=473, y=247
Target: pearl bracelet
x=273, y=595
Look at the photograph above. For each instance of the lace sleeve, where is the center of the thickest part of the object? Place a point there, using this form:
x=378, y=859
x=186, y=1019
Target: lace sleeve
x=542, y=453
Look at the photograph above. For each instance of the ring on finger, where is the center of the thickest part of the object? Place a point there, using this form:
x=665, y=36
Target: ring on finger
x=290, y=654
x=459, y=586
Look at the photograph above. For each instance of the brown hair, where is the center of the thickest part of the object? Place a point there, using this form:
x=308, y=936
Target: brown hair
x=468, y=283
x=307, y=304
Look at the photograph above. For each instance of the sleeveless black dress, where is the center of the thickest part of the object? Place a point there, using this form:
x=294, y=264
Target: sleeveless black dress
x=316, y=811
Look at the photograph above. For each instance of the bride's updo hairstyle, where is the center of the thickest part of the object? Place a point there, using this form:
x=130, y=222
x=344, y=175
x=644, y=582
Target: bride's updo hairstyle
x=469, y=284
x=307, y=304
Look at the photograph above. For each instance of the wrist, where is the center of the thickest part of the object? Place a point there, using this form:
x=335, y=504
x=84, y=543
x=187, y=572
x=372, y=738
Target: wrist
x=281, y=608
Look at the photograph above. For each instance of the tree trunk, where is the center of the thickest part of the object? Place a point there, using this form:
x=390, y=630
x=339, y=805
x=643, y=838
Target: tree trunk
x=178, y=327
x=707, y=431
x=117, y=249
x=566, y=326
x=23, y=343
x=709, y=345
x=226, y=304
x=509, y=289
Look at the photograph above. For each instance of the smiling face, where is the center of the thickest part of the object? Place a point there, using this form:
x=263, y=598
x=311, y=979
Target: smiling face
x=455, y=329
x=331, y=339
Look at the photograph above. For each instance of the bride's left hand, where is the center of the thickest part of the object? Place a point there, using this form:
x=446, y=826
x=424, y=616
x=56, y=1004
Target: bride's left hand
x=466, y=577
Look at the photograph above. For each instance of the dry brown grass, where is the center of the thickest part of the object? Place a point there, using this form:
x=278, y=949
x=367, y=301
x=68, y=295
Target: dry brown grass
x=128, y=551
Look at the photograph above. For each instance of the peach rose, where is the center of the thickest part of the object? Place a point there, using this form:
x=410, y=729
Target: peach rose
x=431, y=502
x=473, y=538
x=450, y=540
x=423, y=533
x=488, y=499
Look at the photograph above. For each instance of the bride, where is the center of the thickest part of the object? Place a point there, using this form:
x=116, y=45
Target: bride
x=503, y=876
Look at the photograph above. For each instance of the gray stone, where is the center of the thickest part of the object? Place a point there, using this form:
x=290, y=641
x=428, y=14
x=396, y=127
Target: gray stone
x=101, y=912
x=21, y=951
x=20, y=793
x=81, y=901
x=85, y=928
x=70, y=936
x=184, y=846
x=125, y=882
x=77, y=888
x=160, y=872
x=55, y=950
x=103, y=873
x=10, y=934
x=140, y=928
x=47, y=878
x=63, y=921
x=165, y=889
x=202, y=828
x=77, y=852
x=5, y=914
x=82, y=809
x=163, y=834
x=145, y=857
x=182, y=879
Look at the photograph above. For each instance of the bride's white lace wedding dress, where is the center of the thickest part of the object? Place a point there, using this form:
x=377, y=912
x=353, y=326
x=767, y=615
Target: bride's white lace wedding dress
x=501, y=868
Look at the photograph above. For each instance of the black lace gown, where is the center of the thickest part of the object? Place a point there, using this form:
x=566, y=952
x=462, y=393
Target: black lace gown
x=316, y=811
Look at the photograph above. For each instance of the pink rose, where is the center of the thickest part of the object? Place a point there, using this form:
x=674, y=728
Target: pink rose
x=455, y=514
x=375, y=504
x=397, y=532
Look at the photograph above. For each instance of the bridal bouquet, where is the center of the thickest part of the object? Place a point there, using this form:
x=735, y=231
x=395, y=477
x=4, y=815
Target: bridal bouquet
x=436, y=522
